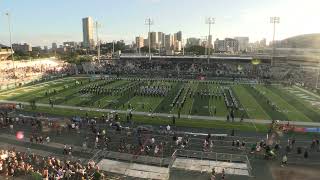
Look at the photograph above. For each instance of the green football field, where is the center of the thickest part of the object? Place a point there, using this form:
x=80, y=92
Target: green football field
x=194, y=97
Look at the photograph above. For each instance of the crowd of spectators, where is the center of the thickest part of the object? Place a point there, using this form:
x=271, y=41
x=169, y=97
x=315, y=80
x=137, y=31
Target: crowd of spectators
x=109, y=134
x=14, y=164
x=26, y=71
x=305, y=75
x=22, y=71
x=177, y=69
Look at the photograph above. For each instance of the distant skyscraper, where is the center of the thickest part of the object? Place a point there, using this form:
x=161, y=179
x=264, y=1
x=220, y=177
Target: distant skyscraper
x=178, y=36
x=54, y=46
x=219, y=45
x=161, y=39
x=146, y=42
x=226, y=45
x=168, y=41
x=232, y=45
x=177, y=41
x=153, y=39
x=139, y=42
x=243, y=43
x=177, y=45
x=87, y=26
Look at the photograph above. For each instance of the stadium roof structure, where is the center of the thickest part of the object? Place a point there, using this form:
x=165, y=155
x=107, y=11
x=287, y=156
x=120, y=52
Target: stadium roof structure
x=188, y=57
x=3, y=46
x=305, y=41
x=5, y=52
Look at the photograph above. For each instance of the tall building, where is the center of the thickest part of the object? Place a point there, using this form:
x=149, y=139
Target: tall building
x=168, y=42
x=146, y=42
x=226, y=45
x=177, y=41
x=177, y=46
x=232, y=45
x=153, y=39
x=219, y=45
x=54, y=46
x=139, y=42
x=87, y=27
x=243, y=43
x=178, y=36
x=22, y=47
x=161, y=39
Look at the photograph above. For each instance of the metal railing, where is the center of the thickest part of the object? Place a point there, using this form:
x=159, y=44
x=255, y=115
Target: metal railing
x=213, y=156
x=140, y=159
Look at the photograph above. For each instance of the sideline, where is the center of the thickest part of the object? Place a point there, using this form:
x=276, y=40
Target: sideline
x=256, y=121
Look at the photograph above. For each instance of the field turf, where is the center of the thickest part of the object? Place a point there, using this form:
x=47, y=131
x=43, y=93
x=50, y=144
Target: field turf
x=255, y=101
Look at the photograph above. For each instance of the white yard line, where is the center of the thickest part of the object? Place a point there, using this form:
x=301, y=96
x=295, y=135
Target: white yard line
x=308, y=92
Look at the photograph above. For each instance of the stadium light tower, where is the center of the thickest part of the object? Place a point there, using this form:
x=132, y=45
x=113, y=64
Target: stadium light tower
x=203, y=40
x=112, y=48
x=149, y=22
x=98, y=25
x=209, y=21
x=274, y=20
x=183, y=46
x=317, y=79
x=10, y=39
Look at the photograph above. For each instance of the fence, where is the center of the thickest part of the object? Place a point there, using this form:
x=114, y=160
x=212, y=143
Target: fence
x=131, y=158
x=213, y=156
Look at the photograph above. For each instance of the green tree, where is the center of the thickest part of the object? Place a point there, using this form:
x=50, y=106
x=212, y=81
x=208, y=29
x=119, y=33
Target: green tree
x=198, y=50
x=145, y=49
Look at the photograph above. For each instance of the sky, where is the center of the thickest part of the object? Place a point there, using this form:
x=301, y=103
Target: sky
x=41, y=22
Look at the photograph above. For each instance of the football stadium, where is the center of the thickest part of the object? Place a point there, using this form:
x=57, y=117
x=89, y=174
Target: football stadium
x=168, y=118
x=162, y=107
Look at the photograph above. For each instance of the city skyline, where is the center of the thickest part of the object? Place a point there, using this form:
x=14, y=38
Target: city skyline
x=125, y=19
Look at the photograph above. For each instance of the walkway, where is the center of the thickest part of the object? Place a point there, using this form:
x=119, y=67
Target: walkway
x=134, y=170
